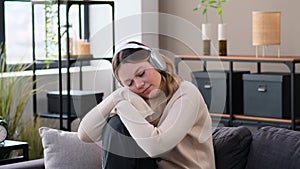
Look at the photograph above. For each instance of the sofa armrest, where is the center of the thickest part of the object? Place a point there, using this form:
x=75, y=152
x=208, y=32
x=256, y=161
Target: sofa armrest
x=31, y=164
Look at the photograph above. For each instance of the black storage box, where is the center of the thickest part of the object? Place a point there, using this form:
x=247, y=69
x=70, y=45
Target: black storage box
x=81, y=101
x=214, y=87
x=269, y=95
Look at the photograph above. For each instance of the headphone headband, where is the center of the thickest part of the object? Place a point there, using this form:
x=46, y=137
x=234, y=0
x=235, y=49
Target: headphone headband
x=132, y=46
x=156, y=60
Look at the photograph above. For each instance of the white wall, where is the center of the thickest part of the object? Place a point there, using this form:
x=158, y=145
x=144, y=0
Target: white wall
x=150, y=23
x=238, y=15
x=184, y=34
x=127, y=26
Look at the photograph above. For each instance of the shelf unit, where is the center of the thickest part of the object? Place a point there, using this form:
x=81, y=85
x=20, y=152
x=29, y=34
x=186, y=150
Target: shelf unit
x=68, y=61
x=232, y=119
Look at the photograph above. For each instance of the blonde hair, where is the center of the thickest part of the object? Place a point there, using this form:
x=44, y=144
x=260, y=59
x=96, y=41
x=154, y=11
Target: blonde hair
x=170, y=79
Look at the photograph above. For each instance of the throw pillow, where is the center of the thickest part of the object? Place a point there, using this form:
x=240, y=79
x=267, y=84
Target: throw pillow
x=274, y=148
x=231, y=147
x=63, y=149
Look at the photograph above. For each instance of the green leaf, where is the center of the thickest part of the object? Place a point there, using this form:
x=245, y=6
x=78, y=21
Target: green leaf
x=197, y=7
x=220, y=10
x=212, y=2
x=204, y=11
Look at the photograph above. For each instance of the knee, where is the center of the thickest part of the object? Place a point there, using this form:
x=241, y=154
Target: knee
x=115, y=124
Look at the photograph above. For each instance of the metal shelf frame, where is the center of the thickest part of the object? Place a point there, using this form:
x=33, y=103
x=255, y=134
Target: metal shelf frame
x=69, y=61
x=233, y=119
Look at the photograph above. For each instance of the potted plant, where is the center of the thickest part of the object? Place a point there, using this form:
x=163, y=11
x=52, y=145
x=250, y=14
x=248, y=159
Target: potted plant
x=206, y=26
x=222, y=29
x=15, y=93
x=29, y=132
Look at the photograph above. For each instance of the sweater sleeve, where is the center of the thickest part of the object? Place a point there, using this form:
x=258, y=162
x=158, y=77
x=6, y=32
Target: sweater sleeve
x=91, y=126
x=181, y=117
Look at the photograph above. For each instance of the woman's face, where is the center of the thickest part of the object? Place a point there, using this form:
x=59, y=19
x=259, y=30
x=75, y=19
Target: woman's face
x=141, y=78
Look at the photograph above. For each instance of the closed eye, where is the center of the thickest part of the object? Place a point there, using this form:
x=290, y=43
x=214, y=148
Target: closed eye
x=129, y=83
x=140, y=74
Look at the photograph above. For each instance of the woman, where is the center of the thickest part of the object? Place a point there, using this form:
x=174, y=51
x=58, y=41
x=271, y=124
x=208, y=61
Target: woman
x=165, y=115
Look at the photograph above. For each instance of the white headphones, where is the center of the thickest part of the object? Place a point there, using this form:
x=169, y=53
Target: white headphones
x=156, y=60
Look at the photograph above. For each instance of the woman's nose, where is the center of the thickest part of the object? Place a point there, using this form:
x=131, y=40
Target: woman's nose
x=139, y=83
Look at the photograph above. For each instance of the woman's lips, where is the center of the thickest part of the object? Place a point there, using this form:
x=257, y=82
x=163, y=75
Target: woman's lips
x=147, y=90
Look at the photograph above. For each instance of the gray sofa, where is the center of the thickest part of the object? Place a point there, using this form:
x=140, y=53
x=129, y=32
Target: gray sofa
x=238, y=148
x=31, y=164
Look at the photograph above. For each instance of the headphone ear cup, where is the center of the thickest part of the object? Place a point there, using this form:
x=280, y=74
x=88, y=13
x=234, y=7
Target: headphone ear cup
x=157, y=61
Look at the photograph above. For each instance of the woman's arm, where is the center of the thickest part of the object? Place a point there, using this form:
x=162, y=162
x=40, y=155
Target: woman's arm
x=181, y=116
x=91, y=126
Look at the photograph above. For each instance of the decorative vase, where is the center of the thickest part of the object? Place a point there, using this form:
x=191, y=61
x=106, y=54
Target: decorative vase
x=206, y=38
x=222, y=38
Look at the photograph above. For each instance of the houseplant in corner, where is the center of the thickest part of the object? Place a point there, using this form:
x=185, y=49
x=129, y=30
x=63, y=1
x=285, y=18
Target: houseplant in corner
x=206, y=26
x=16, y=90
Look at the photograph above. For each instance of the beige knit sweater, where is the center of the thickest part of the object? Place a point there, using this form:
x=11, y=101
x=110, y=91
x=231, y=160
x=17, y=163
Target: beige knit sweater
x=182, y=138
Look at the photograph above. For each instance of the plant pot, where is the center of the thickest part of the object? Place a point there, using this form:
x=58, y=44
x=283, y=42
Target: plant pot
x=222, y=38
x=206, y=38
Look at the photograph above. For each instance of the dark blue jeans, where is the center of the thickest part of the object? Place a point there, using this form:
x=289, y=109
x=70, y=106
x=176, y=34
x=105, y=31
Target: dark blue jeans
x=120, y=151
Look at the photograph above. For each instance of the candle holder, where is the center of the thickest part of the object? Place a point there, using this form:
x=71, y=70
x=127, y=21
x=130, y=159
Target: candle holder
x=206, y=38
x=222, y=38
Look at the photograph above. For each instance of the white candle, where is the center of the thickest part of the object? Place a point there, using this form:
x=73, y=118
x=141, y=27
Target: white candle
x=206, y=31
x=222, y=32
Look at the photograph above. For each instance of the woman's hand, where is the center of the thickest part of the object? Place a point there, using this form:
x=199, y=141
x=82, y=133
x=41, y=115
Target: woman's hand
x=91, y=126
x=137, y=101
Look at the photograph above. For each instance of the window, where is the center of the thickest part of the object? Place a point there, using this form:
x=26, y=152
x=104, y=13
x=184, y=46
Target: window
x=18, y=27
x=18, y=34
x=18, y=30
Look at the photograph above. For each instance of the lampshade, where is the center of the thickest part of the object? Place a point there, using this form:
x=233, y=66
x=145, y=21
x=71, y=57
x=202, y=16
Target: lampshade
x=266, y=28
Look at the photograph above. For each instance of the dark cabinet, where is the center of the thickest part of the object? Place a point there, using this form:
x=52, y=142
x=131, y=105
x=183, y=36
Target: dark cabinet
x=81, y=101
x=269, y=95
x=279, y=100
x=214, y=89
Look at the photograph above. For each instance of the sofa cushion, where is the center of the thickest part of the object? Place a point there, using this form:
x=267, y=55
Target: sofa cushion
x=274, y=148
x=231, y=147
x=31, y=164
x=63, y=149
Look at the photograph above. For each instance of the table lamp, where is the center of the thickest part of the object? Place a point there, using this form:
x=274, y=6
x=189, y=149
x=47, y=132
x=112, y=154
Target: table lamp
x=266, y=30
